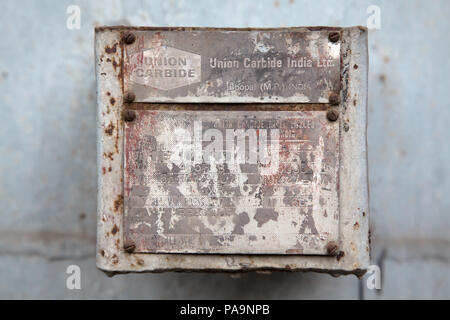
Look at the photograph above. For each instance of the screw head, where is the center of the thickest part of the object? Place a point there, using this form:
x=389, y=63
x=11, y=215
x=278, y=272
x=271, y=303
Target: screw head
x=333, y=115
x=129, y=38
x=129, y=116
x=129, y=97
x=129, y=247
x=332, y=248
x=334, y=99
x=334, y=36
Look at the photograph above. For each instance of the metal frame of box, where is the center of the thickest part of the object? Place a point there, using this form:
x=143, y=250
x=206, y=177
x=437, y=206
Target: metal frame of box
x=354, y=246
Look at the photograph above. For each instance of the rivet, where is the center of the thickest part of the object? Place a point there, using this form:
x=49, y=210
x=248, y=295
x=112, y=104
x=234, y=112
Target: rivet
x=129, y=247
x=129, y=116
x=332, y=115
x=334, y=99
x=334, y=36
x=129, y=38
x=332, y=248
x=129, y=97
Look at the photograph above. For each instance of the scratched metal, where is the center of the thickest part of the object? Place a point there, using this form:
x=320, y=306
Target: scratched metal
x=231, y=182
x=232, y=66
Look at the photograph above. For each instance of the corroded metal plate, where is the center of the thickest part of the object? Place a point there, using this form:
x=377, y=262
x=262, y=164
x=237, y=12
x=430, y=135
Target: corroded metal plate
x=232, y=66
x=231, y=182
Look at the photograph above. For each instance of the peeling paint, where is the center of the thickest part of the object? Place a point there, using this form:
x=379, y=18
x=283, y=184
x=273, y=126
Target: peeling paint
x=179, y=201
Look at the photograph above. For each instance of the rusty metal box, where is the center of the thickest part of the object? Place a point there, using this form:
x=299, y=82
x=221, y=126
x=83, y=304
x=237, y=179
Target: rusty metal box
x=232, y=149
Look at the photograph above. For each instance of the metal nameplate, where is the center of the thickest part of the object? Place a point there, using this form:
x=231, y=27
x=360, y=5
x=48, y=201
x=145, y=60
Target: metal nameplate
x=232, y=66
x=241, y=182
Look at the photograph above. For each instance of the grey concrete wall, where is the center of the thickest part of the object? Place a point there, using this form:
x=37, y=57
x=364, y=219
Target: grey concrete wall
x=48, y=148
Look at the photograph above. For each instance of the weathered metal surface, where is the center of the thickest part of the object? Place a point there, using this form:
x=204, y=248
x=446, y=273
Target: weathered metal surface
x=353, y=244
x=231, y=182
x=285, y=65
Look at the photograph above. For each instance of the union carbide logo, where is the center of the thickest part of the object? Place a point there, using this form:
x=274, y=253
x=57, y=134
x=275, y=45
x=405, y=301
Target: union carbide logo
x=165, y=68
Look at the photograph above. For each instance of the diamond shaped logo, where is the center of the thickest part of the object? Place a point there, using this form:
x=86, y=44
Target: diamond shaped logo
x=164, y=68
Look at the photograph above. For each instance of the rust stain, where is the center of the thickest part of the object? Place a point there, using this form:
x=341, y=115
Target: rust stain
x=121, y=64
x=115, y=229
x=294, y=251
x=112, y=49
x=118, y=203
x=108, y=155
x=116, y=142
x=114, y=64
x=356, y=226
x=115, y=259
x=109, y=129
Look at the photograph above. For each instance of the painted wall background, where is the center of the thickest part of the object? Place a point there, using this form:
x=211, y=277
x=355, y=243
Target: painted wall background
x=48, y=148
